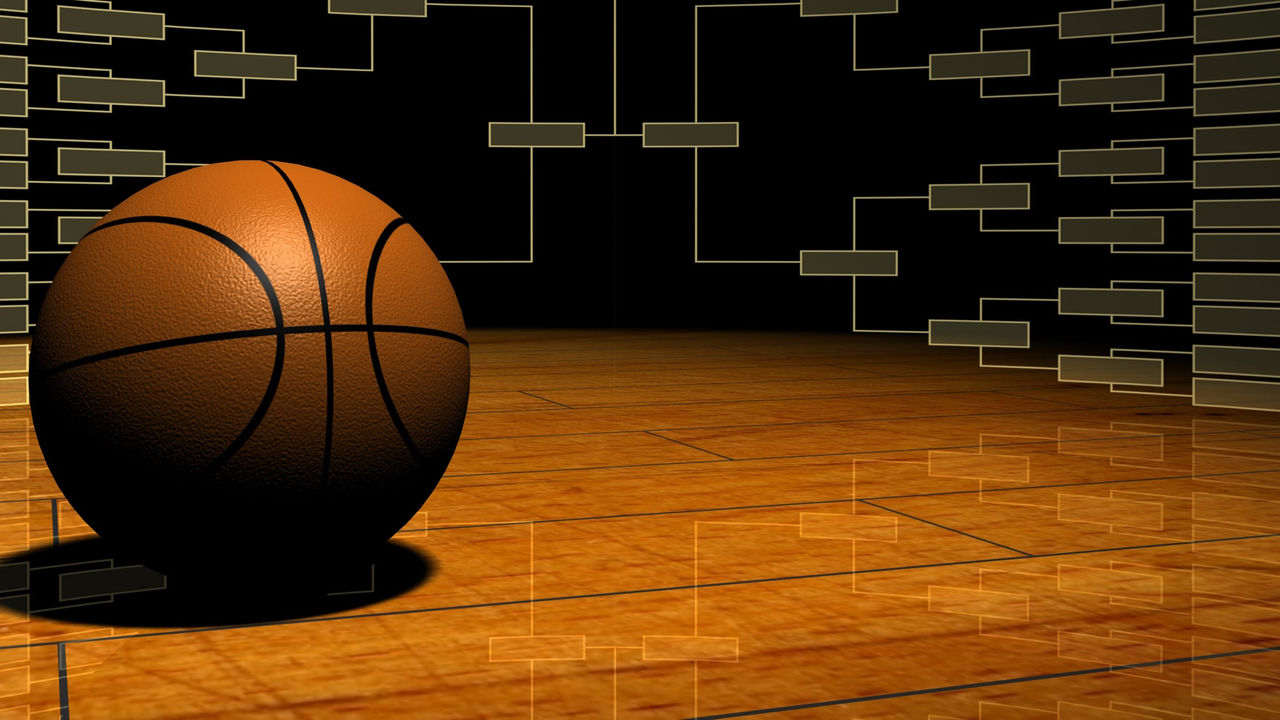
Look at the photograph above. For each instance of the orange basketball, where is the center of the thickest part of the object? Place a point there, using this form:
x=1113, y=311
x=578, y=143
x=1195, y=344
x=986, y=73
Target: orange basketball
x=245, y=363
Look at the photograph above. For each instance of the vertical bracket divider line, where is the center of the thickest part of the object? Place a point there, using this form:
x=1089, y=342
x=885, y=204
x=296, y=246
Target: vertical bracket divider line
x=531, y=167
x=853, y=281
x=615, y=89
x=853, y=40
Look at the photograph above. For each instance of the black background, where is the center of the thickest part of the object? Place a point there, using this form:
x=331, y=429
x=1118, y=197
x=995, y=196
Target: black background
x=613, y=222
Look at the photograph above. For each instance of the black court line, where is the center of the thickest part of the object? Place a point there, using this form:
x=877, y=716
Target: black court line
x=536, y=397
x=448, y=476
x=988, y=683
x=796, y=503
x=791, y=423
x=944, y=527
x=64, y=697
x=852, y=455
x=257, y=332
x=1028, y=397
x=688, y=445
x=886, y=418
x=880, y=395
x=676, y=368
x=840, y=397
x=801, y=503
x=875, y=373
x=324, y=319
x=53, y=502
x=693, y=384
x=816, y=397
x=620, y=593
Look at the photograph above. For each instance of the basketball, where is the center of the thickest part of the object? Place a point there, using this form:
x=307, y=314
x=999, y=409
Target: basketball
x=246, y=364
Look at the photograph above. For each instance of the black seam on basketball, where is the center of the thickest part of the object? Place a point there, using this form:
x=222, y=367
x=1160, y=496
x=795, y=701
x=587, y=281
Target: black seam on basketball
x=261, y=332
x=373, y=342
x=277, y=314
x=324, y=318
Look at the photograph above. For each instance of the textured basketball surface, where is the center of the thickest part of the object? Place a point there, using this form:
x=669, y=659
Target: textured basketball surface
x=249, y=361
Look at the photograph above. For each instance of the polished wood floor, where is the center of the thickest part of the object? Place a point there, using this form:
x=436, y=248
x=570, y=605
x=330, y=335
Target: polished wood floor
x=654, y=524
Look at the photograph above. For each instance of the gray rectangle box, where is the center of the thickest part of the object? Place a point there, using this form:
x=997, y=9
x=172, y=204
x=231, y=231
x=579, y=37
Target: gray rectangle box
x=847, y=7
x=1236, y=213
x=72, y=229
x=104, y=161
x=13, y=286
x=13, y=69
x=848, y=262
x=996, y=63
x=250, y=66
x=700, y=134
x=537, y=134
x=1237, y=99
x=112, y=23
x=406, y=8
x=1220, y=320
x=1107, y=90
x=1111, y=230
x=13, y=213
x=1220, y=4
x=1237, y=66
x=1247, y=247
x=13, y=174
x=13, y=319
x=13, y=141
x=1243, y=287
x=1261, y=362
x=13, y=30
x=980, y=333
x=108, y=581
x=1118, y=161
x=19, y=5
x=1240, y=140
x=1248, y=25
x=1110, y=370
x=1237, y=173
x=13, y=246
x=1110, y=301
x=1111, y=21
x=13, y=102
x=120, y=91
x=982, y=196
x=15, y=576
x=1219, y=392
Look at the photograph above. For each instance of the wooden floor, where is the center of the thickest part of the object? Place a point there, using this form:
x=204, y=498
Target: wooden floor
x=676, y=524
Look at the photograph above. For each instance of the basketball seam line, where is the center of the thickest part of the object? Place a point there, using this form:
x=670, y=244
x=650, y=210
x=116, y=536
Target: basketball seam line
x=277, y=313
x=257, y=332
x=324, y=318
x=280, y=331
x=378, y=375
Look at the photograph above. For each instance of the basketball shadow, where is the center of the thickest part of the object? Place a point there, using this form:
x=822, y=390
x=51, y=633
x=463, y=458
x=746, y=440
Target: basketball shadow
x=87, y=582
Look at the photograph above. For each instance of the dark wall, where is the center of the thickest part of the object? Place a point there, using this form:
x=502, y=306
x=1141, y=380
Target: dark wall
x=613, y=223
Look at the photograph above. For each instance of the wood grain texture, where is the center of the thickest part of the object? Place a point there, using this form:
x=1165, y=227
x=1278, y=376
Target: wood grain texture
x=653, y=525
